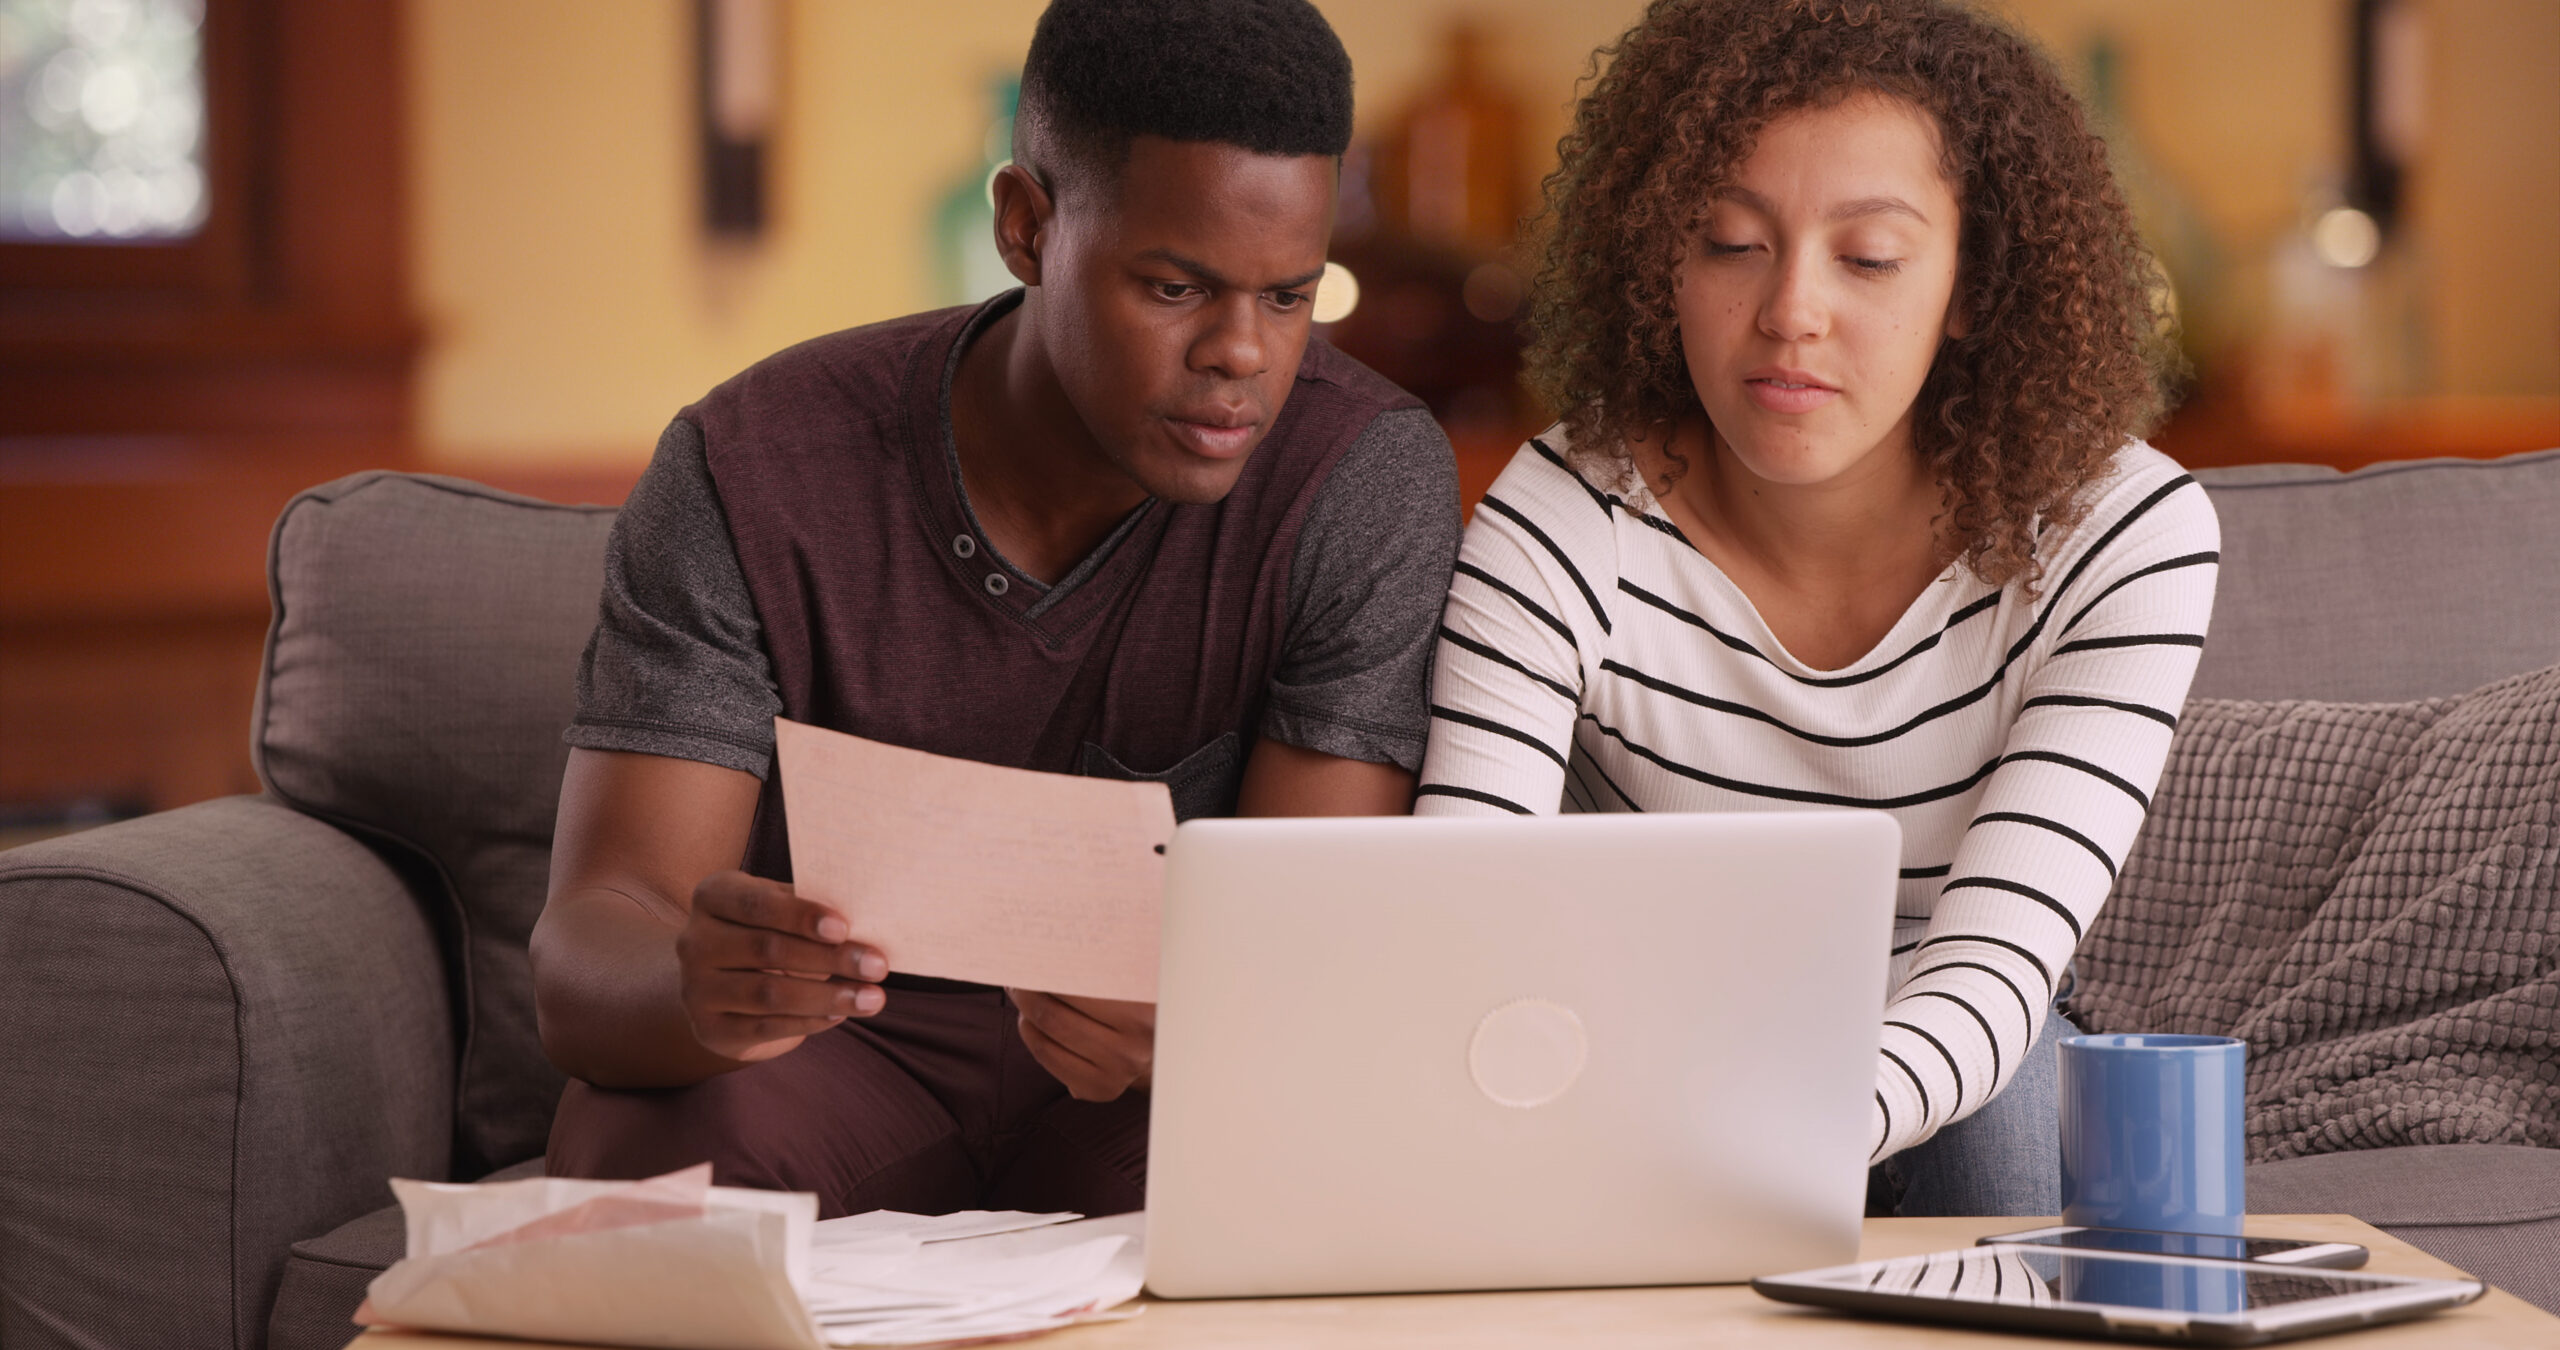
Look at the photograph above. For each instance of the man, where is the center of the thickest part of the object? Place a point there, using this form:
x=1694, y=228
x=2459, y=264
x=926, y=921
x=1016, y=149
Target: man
x=1128, y=521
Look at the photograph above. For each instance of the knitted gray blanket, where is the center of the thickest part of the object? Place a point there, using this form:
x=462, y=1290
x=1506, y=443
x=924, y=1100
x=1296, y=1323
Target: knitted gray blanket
x=2369, y=895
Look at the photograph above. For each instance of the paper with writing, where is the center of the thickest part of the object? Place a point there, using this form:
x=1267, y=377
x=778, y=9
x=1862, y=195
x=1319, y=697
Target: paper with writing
x=677, y=1263
x=971, y=871
x=669, y=1262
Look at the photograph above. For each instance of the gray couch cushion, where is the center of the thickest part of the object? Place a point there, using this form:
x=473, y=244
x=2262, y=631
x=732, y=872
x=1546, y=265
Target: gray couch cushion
x=421, y=666
x=2369, y=894
x=2491, y=1209
x=325, y=1278
x=2399, y=581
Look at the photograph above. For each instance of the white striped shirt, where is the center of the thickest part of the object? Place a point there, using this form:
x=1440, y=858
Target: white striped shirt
x=1591, y=659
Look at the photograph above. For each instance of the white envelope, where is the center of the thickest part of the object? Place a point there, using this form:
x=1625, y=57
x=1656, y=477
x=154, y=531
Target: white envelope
x=672, y=1262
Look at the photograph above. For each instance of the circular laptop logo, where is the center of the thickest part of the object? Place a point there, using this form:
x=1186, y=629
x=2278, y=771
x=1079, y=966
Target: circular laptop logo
x=1527, y=1052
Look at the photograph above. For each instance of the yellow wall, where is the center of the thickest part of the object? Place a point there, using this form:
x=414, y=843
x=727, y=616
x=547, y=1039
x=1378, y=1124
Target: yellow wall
x=2241, y=104
x=572, y=304
x=2489, y=197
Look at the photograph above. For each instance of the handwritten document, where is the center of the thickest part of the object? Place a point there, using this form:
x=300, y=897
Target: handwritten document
x=968, y=871
x=677, y=1262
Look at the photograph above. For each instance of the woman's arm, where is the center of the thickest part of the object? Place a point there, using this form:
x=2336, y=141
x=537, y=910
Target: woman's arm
x=2056, y=818
x=1507, y=679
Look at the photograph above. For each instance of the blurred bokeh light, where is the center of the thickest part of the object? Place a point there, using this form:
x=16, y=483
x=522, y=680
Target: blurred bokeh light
x=102, y=117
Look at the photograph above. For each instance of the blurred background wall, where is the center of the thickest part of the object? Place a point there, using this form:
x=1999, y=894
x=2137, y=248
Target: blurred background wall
x=509, y=240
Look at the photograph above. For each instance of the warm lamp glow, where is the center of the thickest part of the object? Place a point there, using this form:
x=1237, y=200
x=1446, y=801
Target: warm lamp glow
x=2345, y=237
x=1337, y=293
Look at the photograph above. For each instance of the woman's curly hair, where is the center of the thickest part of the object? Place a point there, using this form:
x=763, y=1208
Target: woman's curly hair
x=2065, y=356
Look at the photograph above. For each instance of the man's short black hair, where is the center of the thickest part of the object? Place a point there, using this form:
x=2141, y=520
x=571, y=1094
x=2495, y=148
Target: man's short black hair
x=1266, y=75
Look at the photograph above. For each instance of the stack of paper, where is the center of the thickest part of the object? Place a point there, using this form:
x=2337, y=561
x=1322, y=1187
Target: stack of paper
x=676, y=1261
x=900, y=1279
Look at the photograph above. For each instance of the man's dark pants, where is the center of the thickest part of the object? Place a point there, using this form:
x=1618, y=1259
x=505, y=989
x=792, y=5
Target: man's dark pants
x=931, y=1105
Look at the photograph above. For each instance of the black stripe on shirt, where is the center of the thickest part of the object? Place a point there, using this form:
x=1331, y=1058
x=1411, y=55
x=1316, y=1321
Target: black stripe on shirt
x=2041, y=823
x=2169, y=720
x=1812, y=681
x=1685, y=695
x=2169, y=565
x=1978, y=1019
x=2017, y=649
x=2054, y=600
x=1600, y=499
x=1499, y=657
x=1998, y=675
x=2084, y=766
x=1916, y=873
x=1607, y=500
x=1513, y=514
x=2013, y=888
x=2140, y=509
x=1576, y=793
x=1623, y=799
x=1659, y=524
x=1498, y=729
x=1943, y=1053
x=1916, y=1084
x=2026, y=1015
x=1467, y=569
x=1471, y=795
x=1577, y=772
x=2195, y=640
x=2031, y=958
x=1787, y=794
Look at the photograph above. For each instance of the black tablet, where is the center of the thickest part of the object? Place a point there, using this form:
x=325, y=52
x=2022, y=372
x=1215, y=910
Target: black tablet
x=2119, y=1295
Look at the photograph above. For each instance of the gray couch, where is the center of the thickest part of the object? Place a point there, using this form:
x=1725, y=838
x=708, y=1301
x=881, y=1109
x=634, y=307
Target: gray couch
x=223, y=1027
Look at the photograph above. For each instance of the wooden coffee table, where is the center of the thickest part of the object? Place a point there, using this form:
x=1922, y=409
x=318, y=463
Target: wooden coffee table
x=1690, y=1316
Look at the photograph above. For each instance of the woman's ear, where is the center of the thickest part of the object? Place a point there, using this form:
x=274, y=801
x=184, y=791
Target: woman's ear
x=1024, y=206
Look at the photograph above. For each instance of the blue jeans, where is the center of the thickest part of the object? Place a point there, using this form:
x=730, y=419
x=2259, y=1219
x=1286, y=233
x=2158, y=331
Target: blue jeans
x=2005, y=1159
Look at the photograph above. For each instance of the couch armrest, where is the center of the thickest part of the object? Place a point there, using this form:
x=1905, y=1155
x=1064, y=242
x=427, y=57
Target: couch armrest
x=221, y=1029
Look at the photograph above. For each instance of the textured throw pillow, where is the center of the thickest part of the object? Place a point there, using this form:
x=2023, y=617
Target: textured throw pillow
x=2369, y=894
x=421, y=666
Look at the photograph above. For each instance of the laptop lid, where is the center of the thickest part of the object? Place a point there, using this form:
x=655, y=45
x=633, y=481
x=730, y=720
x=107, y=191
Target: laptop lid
x=1432, y=1054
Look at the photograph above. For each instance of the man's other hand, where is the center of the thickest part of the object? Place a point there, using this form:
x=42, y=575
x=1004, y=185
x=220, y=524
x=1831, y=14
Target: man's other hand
x=762, y=968
x=1098, y=1047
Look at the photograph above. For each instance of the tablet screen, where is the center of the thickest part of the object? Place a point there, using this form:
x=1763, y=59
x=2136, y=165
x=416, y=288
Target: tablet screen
x=2043, y=1275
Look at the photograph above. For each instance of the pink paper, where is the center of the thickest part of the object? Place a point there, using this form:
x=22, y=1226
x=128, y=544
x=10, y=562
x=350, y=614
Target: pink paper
x=674, y=1195
x=968, y=871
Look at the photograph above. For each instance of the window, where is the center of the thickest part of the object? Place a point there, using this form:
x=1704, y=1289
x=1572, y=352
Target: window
x=102, y=119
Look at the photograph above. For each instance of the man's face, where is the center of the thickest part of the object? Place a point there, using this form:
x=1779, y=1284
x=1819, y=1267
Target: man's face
x=1174, y=309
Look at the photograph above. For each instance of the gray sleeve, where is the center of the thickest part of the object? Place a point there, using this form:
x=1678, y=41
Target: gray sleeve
x=677, y=664
x=1365, y=592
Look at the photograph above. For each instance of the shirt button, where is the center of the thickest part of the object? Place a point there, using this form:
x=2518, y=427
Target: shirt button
x=963, y=545
x=996, y=584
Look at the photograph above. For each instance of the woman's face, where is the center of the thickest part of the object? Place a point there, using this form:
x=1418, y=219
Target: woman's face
x=1816, y=296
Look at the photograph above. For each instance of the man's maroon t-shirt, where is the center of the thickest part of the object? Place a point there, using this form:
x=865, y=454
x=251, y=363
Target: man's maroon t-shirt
x=886, y=614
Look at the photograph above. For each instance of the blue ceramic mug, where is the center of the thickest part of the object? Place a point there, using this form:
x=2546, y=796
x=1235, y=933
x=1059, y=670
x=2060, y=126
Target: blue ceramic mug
x=2151, y=1132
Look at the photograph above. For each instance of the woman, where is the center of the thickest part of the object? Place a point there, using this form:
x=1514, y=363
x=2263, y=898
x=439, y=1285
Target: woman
x=1855, y=337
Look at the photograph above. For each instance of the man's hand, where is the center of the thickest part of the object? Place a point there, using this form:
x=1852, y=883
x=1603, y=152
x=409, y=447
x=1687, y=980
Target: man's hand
x=1098, y=1047
x=762, y=968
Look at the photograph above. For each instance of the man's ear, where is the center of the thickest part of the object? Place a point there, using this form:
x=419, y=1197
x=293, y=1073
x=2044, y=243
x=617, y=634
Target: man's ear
x=1024, y=208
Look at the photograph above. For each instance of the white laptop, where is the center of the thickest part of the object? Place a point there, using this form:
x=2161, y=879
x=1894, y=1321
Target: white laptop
x=1399, y=1054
